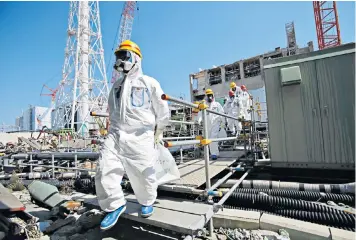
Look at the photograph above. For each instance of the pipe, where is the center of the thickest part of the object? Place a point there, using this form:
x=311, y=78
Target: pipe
x=264, y=184
x=267, y=202
x=41, y=175
x=182, y=122
x=227, y=195
x=223, y=139
x=176, y=100
x=50, y=166
x=307, y=196
x=191, y=142
x=177, y=138
x=68, y=155
x=218, y=183
x=180, y=143
x=206, y=158
x=180, y=189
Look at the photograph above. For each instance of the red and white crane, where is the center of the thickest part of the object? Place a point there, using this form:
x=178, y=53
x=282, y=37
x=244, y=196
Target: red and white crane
x=327, y=24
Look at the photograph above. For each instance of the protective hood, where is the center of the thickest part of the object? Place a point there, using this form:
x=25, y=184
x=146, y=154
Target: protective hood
x=121, y=87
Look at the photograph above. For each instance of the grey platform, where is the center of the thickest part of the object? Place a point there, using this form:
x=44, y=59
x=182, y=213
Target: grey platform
x=177, y=215
x=193, y=172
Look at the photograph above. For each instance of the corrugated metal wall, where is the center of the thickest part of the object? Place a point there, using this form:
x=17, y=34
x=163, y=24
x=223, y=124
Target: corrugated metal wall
x=312, y=125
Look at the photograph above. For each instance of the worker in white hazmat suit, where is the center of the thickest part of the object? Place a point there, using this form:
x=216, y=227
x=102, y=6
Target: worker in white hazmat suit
x=233, y=108
x=246, y=103
x=138, y=117
x=214, y=122
x=236, y=89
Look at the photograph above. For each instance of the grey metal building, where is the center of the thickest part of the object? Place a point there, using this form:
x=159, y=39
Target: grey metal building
x=311, y=109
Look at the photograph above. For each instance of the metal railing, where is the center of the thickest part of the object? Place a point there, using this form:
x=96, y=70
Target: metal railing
x=204, y=141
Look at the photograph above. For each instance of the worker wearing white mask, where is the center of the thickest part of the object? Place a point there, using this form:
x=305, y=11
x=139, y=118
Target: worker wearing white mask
x=214, y=122
x=233, y=108
x=246, y=103
x=236, y=89
x=138, y=117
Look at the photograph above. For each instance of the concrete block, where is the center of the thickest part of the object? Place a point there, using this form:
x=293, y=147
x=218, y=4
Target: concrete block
x=233, y=218
x=297, y=229
x=339, y=234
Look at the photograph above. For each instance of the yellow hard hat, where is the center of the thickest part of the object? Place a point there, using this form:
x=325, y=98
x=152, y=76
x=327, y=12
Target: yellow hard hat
x=209, y=91
x=129, y=46
x=232, y=85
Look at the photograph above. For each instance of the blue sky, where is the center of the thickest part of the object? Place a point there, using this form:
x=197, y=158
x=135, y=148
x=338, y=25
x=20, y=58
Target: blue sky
x=176, y=39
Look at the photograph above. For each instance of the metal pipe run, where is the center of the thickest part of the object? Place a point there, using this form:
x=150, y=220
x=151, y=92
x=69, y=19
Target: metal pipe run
x=181, y=122
x=67, y=155
x=50, y=166
x=180, y=189
x=177, y=100
x=103, y=114
x=227, y=195
x=177, y=138
x=297, y=186
x=192, y=142
x=181, y=143
x=223, y=139
x=218, y=183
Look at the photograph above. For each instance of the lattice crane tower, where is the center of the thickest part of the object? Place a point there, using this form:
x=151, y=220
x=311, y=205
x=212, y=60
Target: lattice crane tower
x=126, y=22
x=327, y=24
x=84, y=86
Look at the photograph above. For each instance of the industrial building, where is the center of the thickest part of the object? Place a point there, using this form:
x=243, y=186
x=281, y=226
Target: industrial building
x=34, y=118
x=248, y=72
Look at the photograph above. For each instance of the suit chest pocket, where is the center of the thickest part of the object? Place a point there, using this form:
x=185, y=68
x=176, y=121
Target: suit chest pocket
x=140, y=97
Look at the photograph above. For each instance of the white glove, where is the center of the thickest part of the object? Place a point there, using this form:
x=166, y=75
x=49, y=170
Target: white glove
x=158, y=136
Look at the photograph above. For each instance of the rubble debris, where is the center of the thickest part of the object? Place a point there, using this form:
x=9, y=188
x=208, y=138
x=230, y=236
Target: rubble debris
x=59, y=224
x=243, y=234
x=15, y=183
x=45, y=194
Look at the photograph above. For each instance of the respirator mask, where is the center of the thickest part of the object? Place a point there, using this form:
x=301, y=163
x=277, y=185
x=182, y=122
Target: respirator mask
x=233, y=89
x=125, y=61
x=210, y=97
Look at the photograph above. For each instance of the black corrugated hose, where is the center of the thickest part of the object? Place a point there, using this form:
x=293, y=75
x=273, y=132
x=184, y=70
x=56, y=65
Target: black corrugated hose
x=314, y=217
x=300, y=209
x=253, y=200
x=308, y=196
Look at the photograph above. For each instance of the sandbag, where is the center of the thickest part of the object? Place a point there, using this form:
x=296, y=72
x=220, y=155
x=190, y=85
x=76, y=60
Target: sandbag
x=165, y=167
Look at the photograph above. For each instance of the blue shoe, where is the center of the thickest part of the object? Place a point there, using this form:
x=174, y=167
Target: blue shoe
x=146, y=211
x=214, y=157
x=111, y=218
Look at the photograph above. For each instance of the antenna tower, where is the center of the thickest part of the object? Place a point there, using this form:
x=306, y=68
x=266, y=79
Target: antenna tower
x=84, y=87
x=327, y=24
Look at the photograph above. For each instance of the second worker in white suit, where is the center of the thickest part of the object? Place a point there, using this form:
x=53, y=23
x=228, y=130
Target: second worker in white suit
x=214, y=122
x=233, y=108
x=138, y=117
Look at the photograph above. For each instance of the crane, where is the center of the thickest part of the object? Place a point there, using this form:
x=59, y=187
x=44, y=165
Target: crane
x=125, y=28
x=53, y=101
x=327, y=24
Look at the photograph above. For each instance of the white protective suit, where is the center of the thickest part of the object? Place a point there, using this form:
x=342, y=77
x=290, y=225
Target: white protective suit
x=246, y=103
x=135, y=108
x=214, y=123
x=233, y=107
